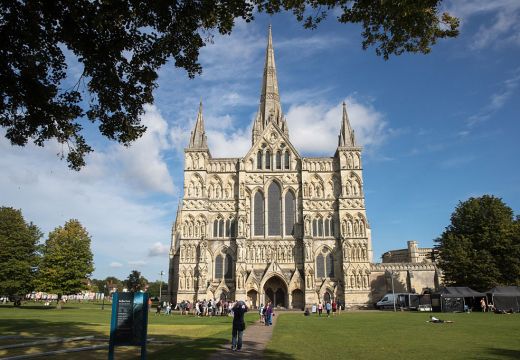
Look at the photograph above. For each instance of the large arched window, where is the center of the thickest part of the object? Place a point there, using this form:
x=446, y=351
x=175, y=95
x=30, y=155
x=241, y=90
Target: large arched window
x=320, y=266
x=274, y=216
x=219, y=267
x=289, y=213
x=259, y=160
x=228, y=274
x=329, y=264
x=287, y=160
x=259, y=214
x=278, y=160
x=267, y=159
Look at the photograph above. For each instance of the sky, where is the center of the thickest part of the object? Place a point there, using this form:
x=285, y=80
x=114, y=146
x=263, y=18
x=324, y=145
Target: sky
x=436, y=129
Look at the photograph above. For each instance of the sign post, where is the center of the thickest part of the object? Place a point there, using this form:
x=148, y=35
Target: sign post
x=129, y=322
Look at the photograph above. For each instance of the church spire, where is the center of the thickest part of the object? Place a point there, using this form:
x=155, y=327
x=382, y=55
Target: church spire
x=270, y=109
x=346, y=135
x=198, y=135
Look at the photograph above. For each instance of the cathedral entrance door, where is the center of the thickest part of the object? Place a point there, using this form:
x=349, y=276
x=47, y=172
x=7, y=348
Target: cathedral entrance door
x=252, y=296
x=326, y=297
x=276, y=292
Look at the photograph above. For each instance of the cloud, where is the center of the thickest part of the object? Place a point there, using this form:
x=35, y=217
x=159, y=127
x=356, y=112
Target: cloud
x=115, y=264
x=502, y=21
x=314, y=128
x=158, y=249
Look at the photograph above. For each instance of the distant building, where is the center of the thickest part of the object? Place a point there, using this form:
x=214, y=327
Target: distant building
x=273, y=225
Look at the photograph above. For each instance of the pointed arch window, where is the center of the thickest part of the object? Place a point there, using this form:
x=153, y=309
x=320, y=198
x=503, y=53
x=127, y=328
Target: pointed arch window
x=287, y=160
x=278, y=160
x=327, y=227
x=314, y=227
x=268, y=159
x=329, y=264
x=289, y=213
x=218, y=267
x=215, y=228
x=320, y=266
x=228, y=226
x=259, y=214
x=221, y=228
x=320, y=227
x=228, y=273
x=274, y=203
x=259, y=160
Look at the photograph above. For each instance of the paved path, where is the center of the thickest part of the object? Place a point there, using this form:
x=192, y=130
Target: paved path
x=254, y=341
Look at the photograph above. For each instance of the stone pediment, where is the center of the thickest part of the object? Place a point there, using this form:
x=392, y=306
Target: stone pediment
x=271, y=135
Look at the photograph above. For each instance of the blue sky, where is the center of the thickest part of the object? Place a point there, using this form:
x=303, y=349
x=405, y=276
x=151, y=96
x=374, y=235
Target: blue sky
x=436, y=129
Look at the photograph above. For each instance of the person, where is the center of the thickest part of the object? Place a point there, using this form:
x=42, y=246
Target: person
x=328, y=307
x=261, y=313
x=158, y=312
x=268, y=313
x=320, y=308
x=334, y=307
x=483, y=305
x=433, y=319
x=491, y=307
x=239, y=325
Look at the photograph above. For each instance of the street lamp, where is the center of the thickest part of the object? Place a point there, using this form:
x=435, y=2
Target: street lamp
x=160, y=287
x=391, y=273
x=104, y=292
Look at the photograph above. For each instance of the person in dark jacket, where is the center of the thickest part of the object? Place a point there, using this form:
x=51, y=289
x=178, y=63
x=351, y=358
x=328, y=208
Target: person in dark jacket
x=239, y=325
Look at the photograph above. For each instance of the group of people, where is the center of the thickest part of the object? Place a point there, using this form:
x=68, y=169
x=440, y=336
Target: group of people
x=266, y=313
x=330, y=307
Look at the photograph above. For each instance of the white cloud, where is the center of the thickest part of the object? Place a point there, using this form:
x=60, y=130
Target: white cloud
x=115, y=264
x=314, y=128
x=158, y=249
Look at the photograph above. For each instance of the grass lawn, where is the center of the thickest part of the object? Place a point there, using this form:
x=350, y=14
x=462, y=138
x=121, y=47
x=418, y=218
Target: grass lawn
x=388, y=335
x=192, y=338
x=352, y=335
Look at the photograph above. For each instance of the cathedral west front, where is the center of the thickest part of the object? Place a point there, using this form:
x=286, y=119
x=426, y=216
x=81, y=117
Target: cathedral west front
x=273, y=225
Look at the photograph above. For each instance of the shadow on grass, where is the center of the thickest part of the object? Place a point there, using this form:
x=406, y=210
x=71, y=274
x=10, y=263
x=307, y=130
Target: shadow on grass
x=504, y=353
x=278, y=355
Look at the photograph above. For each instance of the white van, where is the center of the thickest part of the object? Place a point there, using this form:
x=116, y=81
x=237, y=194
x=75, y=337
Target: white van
x=402, y=300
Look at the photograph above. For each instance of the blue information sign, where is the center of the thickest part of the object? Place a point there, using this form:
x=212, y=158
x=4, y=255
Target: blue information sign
x=129, y=321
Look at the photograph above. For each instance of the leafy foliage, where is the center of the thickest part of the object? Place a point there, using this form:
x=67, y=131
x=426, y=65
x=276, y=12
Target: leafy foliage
x=135, y=282
x=120, y=46
x=481, y=246
x=18, y=252
x=67, y=260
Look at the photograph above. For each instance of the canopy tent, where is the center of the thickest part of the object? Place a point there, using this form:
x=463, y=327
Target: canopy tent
x=450, y=299
x=506, y=298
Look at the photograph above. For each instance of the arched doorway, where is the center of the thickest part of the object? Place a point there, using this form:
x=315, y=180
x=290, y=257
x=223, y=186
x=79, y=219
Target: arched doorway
x=327, y=297
x=275, y=291
x=297, y=299
x=252, y=297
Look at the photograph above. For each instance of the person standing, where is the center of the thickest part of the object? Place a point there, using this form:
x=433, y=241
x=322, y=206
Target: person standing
x=239, y=325
x=268, y=312
x=483, y=305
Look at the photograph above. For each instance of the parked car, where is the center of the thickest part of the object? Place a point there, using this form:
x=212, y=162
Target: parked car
x=405, y=301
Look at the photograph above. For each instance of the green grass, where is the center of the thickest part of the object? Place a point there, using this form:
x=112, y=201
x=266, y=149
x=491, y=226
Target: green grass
x=352, y=335
x=388, y=335
x=192, y=338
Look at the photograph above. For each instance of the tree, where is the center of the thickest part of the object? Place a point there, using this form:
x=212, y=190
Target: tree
x=153, y=288
x=121, y=45
x=18, y=253
x=481, y=246
x=67, y=260
x=135, y=282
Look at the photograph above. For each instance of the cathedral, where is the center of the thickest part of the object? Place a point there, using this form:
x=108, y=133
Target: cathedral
x=275, y=226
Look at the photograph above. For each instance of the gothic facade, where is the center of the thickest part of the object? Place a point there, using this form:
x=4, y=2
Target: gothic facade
x=273, y=225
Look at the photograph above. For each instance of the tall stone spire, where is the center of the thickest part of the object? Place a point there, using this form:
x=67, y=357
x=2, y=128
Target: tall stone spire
x=346, y=135
x=270, y=109
x=198, y=135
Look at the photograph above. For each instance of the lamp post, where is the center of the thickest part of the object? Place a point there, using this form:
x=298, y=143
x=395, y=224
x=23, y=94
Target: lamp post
x=391, y=273
x=104, y=292
x=160, y=287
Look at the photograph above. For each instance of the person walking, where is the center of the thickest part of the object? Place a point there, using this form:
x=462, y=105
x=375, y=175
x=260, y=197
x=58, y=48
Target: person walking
x=320, y=308
x=268, y=312
x=483, y=305
x=334, y=307
x=328, y=307
x=239, y=325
